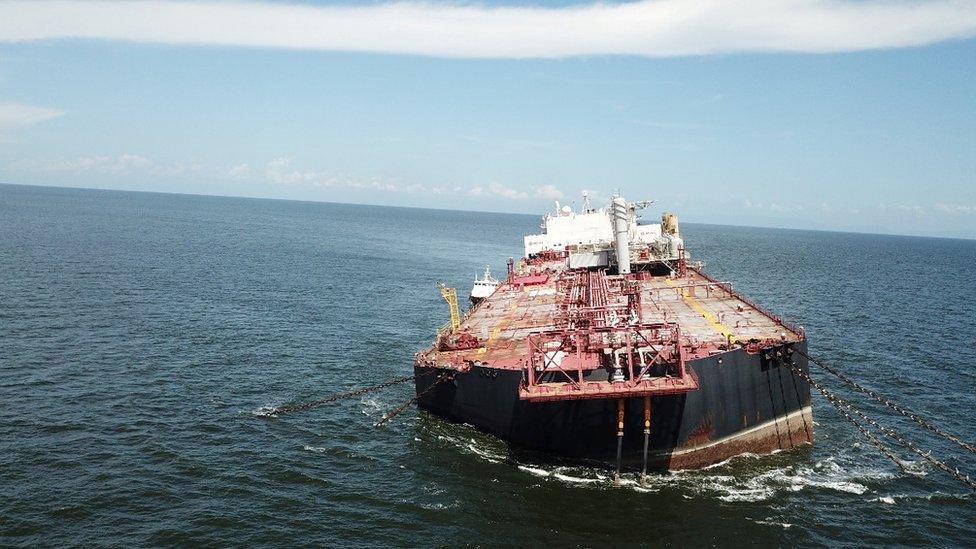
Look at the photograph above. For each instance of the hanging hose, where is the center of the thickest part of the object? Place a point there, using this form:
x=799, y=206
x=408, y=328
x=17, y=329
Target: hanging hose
x=841, y=405
x=274, y=412
x=890, y=404
x=647, y=436
x=621, y=406
x=441, y=378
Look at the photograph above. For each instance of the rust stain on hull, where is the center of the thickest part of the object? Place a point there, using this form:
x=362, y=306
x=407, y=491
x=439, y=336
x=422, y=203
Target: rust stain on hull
x=784, y=433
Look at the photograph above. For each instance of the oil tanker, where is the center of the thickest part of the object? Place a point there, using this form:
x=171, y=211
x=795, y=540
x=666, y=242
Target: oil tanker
x=605, y=344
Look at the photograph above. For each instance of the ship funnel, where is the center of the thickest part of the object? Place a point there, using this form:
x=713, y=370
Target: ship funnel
x=621, y=227
x=669, y=223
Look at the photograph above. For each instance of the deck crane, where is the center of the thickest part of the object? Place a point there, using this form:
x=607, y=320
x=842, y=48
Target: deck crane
x=450, y=295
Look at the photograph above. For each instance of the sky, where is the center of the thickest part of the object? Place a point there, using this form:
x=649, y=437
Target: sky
x=814, y=114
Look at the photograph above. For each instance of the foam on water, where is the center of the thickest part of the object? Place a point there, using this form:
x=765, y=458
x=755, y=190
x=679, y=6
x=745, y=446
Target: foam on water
x=537, y=471
x=770, y=522
x=373, y=408
x=483, y=453
x=266, y=411
x=744, y=478
x=472, y=442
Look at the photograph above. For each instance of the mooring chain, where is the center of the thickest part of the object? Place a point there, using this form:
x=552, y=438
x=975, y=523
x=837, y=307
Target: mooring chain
x=842, y=404
x=890, y=404
x=961, y=477
x=832, y=399
x=341, y=396
x=396, y=411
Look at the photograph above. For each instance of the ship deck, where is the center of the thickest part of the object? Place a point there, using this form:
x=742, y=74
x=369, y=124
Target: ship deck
x=710, y=315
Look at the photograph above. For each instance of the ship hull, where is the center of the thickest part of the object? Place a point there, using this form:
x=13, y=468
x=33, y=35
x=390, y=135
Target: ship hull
x=746, y=403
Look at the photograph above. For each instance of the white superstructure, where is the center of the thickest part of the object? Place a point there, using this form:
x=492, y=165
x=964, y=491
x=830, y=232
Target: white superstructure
x=484, y=287
x=597, y=237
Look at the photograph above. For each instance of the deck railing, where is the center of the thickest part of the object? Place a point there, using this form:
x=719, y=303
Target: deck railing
x=795, y=328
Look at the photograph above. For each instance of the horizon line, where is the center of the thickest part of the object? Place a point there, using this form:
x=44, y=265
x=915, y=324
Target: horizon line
x=311, y=201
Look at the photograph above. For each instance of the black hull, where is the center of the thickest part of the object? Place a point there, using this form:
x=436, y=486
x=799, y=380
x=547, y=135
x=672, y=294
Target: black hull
x=745, y=403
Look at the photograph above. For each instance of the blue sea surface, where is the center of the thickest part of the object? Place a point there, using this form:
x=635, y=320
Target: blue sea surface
x=142, y=335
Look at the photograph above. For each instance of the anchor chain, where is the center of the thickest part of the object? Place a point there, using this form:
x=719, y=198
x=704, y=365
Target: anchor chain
x=340, y=396
x=832, y=399
x=890, y=404
x=842, y=404
x=396, y=411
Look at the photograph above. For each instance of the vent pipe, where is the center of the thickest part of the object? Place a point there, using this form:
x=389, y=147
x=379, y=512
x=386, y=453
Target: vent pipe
x=621, y=228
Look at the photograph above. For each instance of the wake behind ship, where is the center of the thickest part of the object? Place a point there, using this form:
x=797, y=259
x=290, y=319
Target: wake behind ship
x=604, y=344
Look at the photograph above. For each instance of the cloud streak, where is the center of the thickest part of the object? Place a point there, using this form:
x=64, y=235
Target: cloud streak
x=653, y=28
x=281, y=172
x=18, y=116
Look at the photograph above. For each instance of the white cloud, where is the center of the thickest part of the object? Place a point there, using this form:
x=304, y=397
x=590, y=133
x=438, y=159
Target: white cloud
x=656, y=28
x=549, y=191
x=123, y=163
x=956, y=208
x=785, y=208
x=914, y=209
x=281, y=171
x=18, y=116
x=506, y=192
x=773, y=206
x=240, y=171
x=498, y=190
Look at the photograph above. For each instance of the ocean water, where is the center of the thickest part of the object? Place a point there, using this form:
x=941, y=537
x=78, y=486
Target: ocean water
x=141, y=336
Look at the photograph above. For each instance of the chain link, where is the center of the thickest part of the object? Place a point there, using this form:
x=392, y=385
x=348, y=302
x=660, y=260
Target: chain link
x=340, y=396
x=396, y=411
x=890, y=404
x=842, y=404
x=833, y=400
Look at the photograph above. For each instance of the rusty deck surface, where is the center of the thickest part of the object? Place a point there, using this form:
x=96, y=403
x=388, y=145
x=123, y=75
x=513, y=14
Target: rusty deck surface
x=709, y=313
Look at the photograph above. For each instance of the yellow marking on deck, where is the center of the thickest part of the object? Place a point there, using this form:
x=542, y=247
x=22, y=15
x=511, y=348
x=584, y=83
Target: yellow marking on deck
x=711, y=318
